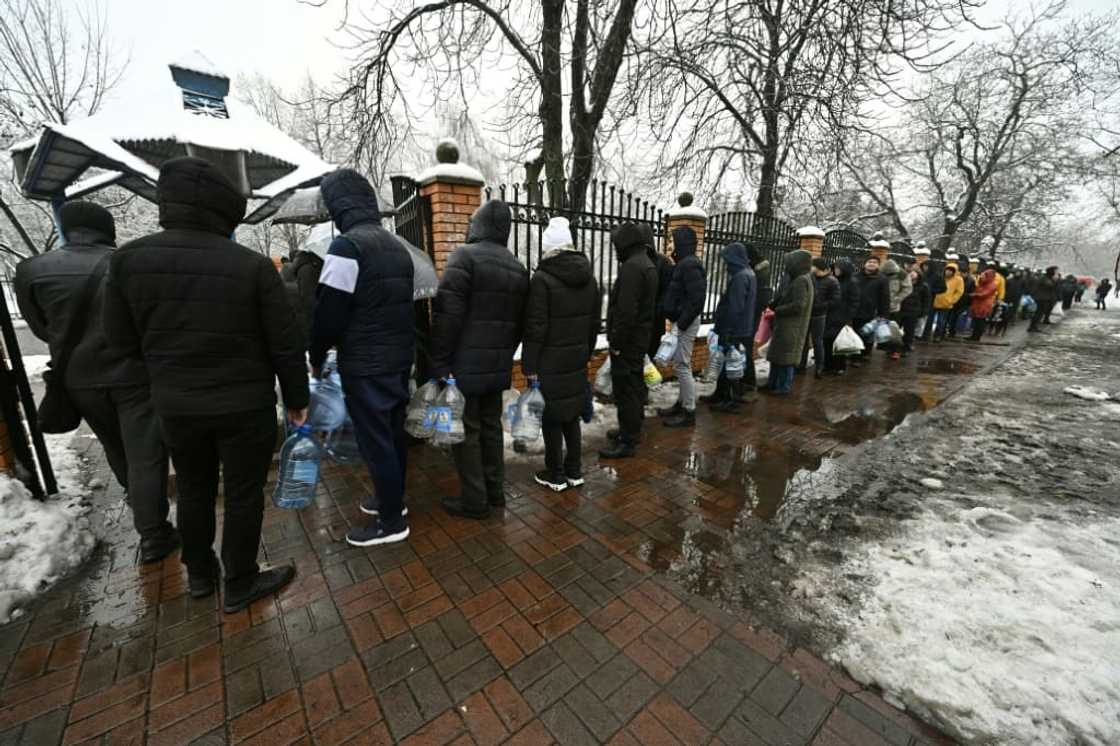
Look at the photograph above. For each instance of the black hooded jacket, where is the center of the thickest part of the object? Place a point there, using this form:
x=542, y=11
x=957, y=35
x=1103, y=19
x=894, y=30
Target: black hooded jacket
x=561, y=324
x=687, y=290
x=480, y=306
x=301, y=279
x=734, y=317
x=364, y=301
x=49, y=289
x=762, y=270
x=210, y=317
x=633, y=301
x=874, y=296
x=844, y=312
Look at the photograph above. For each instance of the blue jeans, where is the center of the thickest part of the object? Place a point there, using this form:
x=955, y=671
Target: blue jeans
x=939, y=321
x=781, y=378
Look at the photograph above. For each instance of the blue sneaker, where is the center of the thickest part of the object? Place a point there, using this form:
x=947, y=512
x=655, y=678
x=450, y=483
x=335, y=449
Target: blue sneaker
x=377, y=533
x=369, y=506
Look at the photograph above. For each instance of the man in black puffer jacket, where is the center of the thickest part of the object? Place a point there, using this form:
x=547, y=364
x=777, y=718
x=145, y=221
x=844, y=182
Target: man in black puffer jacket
x=477, y=322
x=108, y=387
x=874, y=301
x=664, y=269
x=763, y=295
x=826, y=299
x=683, y=305
x=364, y=307
x=561, y=324
x=213, y=324
x=630, y=318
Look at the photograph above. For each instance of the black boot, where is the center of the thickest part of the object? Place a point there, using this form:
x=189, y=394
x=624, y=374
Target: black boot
x=266, y=583
x=204, y=583
x=456, y=507
x=672, y=411
x=684, y=419
x=617, y=449
x=155, y=548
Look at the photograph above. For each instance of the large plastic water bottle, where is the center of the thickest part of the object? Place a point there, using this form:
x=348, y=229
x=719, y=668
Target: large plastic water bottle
x=419, y=419
x=530, y=410
x=298, y=477
x=715, y=364
x=667, y=348
x=327, y=410
x=447, y=414
x=735, y=364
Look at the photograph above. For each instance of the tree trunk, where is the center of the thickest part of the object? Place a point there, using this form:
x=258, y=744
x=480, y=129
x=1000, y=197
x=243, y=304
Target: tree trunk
x=23, y=234
x=768, y=177
x=948, y=231
x=583, y=161
x=552, y=93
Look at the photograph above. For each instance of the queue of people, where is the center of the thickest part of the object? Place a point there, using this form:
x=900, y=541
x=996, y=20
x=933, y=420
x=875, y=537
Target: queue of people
x=171, y=347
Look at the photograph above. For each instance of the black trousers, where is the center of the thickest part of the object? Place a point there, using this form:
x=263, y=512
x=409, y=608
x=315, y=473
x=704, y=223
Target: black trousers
x=814, y=337
x=1042, y=313
x=557, y=436
x=978, y=326
x=377, y=405
x=240, y=444
x=129, y=431
x=629, y=397
x=909, y=329
x=480, y=458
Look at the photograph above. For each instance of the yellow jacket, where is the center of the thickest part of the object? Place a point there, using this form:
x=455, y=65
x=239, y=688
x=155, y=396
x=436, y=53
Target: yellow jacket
x=1001, y=287
x=954, y=289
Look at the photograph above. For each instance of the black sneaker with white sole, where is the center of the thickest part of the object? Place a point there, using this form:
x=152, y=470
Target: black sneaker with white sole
x=369, y=506
x=377, y=533
x=554, y=482
x=574, y=481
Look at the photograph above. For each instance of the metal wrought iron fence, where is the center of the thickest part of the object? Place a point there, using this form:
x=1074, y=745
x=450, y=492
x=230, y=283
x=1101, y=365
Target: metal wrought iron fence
x=607, y=206
x=773, y=236
x=844, y=243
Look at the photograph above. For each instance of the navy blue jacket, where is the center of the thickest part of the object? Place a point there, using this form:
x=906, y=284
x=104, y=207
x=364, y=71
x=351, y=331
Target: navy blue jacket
x=364, y=302
x=734, y=320
x=687, y=290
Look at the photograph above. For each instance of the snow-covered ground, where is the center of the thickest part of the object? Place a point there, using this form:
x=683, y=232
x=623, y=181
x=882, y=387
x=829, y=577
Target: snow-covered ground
x=42, y=542
x=35, y=365
x=978, y=580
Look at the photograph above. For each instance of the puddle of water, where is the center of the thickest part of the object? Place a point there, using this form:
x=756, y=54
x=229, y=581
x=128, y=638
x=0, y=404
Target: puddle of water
x=878, y=417
x=946, y=367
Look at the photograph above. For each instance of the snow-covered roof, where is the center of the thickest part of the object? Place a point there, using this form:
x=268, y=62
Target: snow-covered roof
x=691, y=211
x=197, y=62
x=810, y=231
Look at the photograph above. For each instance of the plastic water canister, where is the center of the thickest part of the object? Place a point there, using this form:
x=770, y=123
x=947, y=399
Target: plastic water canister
x=300, y=458
x=666, y=349
x=327, y=410
x=342, y=444
x=735, y=364
x=530, y=411
x=419, y=418
x=715, y=364
x=447, y=412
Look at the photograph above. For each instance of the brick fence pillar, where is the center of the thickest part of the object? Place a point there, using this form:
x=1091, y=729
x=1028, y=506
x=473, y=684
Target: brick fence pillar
x=811, y=239
x=880, y=247
x=688, y=214
x=921, y=253
x=455, y=192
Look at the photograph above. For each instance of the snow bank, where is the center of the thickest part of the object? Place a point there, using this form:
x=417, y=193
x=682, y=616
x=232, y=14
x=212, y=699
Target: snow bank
x=1087, y=393
x=42, y=542
x=1000, y=629
x=35, y=365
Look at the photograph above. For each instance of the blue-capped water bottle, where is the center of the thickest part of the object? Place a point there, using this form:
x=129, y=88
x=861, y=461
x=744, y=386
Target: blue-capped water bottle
x=298, y=476
x=447, y=412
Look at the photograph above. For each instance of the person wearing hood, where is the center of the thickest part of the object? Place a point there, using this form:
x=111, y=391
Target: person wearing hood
x=301, y=279
x=58, y=293
x=962, y=304
x=826, y=297
x=912, y=308
x=683, y=305
x=944, y=302
x=365, y=309
x=764, y=293
x=1013, y=294
x=1044, y=290
x=874, y=300
x=1068, y=290
x=664, y=269
x=842, y=314
x=630, y=318
x=734, y=321
x=792, y=306
x=214, y=326
x=477, y=321
x=983, y=302
x=561, y=325
x=900, y=288
x=933, y=277
x=1103, y=289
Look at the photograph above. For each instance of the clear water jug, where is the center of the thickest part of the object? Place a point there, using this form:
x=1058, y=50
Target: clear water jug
x=327, y=410
x=666, y=349
x=298, y=476
x=530, y=410
x=419, y=419
x=342, y=444
x=448, y=416
x=716, y=359
x=735, y=364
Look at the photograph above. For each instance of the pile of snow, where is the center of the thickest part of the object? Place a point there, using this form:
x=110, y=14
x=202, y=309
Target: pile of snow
x=1085, y=392
x=35, y=366
x=1000, y=629
x=42, y=542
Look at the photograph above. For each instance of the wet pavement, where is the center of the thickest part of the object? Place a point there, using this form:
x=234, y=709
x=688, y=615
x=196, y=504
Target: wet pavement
x=597, y=615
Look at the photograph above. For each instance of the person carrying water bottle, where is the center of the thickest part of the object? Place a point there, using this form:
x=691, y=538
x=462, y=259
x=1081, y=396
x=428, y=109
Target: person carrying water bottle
x=212, y=321
x=683, y=305
x=477, y=321
x=364, y=307
x=561, y=324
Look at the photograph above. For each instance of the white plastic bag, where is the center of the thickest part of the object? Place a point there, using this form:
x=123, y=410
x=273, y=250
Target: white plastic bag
x=603, y=385
x=847, y=342
x=651, y=373
x=896, y=333
x=883, y=333
x=667, y=348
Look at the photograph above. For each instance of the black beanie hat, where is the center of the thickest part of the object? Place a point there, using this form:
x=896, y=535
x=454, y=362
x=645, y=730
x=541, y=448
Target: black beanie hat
x=821, y=263
x=75, y=215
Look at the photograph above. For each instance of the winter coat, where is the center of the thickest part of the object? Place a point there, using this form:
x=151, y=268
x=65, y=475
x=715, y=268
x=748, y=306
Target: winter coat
x=365, y=303
x=984, y=296
x=933, y=275
x=1044, y=289
x=1068, y=288
x=734, y=317
x=633, y=300
x=826, y=294
x=48, y=290
x=479, y=308
x=954, y=289
x=1103, y=289
x=874, y=296
x=688, y=289
x=761, y=267
x=966, y=296
x=792, y=307
x=1014, y=291
x=1001, y=287
x=665, y=270
x=843, y=313
x=301, y=280
x=898, y=283
x=209, y=316
x=916, y=304
x=561, y=324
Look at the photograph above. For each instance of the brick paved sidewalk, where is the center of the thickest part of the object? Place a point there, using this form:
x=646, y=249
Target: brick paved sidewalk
x=543, y=624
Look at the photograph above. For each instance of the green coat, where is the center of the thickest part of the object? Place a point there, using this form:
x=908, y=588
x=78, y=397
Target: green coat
x=792, y=308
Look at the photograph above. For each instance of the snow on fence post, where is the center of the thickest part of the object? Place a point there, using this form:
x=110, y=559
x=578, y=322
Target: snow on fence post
x=880, y=247
x=811, y=239
x=454, y=190
x=688, y=214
